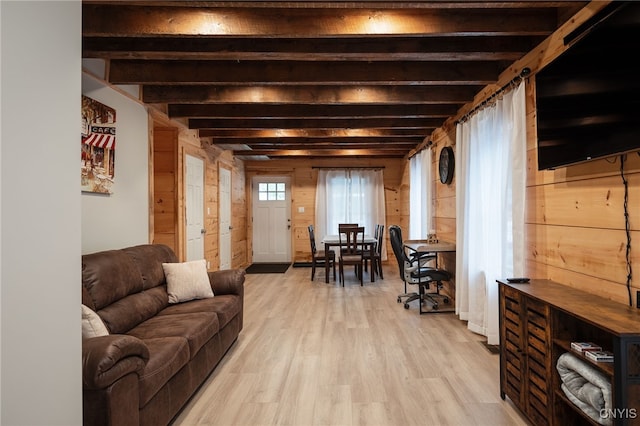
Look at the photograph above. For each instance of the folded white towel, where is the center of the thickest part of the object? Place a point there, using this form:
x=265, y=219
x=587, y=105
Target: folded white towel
x=585, y=386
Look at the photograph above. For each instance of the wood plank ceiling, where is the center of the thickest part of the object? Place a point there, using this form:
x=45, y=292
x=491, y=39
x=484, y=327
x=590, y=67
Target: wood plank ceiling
x=309, y=78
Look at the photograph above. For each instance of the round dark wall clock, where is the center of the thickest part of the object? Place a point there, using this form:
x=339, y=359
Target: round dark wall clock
x=446, y=165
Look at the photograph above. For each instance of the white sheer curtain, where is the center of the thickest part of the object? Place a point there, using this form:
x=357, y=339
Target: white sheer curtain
x=490, y=190
x=420, y=195
x=349, y=196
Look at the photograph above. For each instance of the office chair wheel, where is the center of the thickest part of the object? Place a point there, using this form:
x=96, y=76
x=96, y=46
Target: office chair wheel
x=406, y=306
x=399, y=299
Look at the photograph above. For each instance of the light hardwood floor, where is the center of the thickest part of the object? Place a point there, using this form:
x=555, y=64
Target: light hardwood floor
x=312, y=353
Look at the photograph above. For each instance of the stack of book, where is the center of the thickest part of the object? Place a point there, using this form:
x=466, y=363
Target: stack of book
x=585, y=346
x=599, y=356
x=592, y=351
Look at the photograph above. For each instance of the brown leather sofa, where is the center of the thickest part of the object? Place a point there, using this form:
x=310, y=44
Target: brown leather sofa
x=156, y=354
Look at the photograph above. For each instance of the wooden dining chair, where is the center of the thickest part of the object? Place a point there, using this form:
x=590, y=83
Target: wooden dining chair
x=342, y=228
x=351, y=243
x=367, y=257
x=374, y=256
x=318, y=257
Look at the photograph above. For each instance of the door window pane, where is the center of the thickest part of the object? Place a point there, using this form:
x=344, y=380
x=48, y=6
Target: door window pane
x=271, y=191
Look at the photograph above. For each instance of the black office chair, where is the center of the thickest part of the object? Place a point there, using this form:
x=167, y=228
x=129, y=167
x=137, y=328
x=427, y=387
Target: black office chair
x=413, y=270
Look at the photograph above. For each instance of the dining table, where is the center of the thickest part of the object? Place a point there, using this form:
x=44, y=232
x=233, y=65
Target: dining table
x=334, y=241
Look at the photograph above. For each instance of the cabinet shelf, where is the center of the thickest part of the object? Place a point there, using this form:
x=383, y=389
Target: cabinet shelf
x=563, y=398
x=605, y=367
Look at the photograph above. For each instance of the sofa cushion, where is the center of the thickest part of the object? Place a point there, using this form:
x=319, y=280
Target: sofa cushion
x=187, y=281
x=109, y=276
x=227, y=306
x=128, y=312
x=197, y=328
x=92, y=325
x=149, y=259
x=115, y=290
x=167, y=355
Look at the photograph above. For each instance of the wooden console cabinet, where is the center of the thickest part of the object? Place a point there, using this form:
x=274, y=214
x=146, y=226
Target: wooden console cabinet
x=538, y=322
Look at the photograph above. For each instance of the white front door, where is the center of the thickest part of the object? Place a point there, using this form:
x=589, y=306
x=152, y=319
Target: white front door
x=224, y=243
x=194, y=208
x=271, y=219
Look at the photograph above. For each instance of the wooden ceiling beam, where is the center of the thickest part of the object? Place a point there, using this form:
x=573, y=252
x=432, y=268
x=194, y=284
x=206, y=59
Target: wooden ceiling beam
x=310, y=111
x=336, y=142
x=481, y=48
x=301, y=123
x=234, y=135
x=144, y=21
x=297, y=72
x=387, y=153
x=346, y=94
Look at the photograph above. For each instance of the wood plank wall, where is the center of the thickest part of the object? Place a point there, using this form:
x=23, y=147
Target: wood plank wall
x=303, y=192
x=444, y=206
x=165, y=197
x=169, y=146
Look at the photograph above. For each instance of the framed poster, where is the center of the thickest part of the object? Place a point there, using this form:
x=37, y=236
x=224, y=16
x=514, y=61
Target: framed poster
x=97, y=147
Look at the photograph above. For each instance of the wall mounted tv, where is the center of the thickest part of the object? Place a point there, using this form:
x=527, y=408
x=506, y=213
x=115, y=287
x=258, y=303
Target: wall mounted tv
x=588, y=99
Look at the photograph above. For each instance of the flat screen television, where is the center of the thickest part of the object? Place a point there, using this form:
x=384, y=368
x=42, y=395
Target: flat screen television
x=588, y=99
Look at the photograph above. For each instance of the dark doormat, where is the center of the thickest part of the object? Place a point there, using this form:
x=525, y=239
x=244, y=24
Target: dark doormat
x=268, y=268
x=494, y=349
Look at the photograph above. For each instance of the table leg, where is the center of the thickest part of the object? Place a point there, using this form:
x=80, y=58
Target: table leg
x=372, y=271
x=326, y=262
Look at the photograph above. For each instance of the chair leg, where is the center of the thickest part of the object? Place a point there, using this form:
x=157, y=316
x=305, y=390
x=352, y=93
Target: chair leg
x=379, y=261
x=431, y=298
x=409, y=296
x=313, y=269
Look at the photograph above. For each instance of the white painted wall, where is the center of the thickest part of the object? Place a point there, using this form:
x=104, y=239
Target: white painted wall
x=122, y=218
x=40, y=335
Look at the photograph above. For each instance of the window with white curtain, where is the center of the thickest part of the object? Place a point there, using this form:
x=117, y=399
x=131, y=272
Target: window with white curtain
x=349, y=196
x=420, y=195
x=490, y=188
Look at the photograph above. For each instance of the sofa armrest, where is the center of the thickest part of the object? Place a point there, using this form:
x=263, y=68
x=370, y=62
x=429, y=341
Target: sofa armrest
x=227, y=281
x=106, y=359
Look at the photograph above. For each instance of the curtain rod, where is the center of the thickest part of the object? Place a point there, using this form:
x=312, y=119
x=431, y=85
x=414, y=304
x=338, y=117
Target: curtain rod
x=524, y=73
x=347, y=168
x=417, y=151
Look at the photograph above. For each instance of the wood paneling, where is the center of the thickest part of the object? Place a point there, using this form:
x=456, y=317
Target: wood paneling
x=170, y=145
x=303, y=192
x=164, y=187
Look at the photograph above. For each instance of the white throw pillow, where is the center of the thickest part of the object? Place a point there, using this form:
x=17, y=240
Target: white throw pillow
x=92, y=325
x=187, y=281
